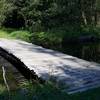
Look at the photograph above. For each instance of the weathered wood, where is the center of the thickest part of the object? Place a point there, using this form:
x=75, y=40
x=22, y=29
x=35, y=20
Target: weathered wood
x=71, y=74
x=28, y=74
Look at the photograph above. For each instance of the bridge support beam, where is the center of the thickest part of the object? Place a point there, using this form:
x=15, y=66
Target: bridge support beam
x=20, y=66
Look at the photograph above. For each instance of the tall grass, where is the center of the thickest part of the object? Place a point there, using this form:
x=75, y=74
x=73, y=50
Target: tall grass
x=47, y=92
x=15, y=34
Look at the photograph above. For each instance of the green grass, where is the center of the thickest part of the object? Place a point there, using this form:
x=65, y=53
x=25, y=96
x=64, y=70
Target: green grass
x=4, y=34
x=15, y=34
x=47, y=39
x=22, y=35
x=52, y=38
x=48, y=92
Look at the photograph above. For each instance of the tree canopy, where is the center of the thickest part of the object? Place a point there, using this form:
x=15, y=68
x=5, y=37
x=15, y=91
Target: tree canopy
x=5, y=8
x=44, y=14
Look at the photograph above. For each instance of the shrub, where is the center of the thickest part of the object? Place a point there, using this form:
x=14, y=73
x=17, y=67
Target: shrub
x=46, y=39
x=23, y=35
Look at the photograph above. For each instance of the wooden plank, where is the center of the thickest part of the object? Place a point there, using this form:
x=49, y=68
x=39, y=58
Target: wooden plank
x=51, y=65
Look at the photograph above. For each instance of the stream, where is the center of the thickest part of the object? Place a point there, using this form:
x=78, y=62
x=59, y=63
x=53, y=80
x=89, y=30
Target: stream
x=87, y=51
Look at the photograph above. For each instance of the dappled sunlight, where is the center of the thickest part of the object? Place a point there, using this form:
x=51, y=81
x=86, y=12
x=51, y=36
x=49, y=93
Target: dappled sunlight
x=72, y=73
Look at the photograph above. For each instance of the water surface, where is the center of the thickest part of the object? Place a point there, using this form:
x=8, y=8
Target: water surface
x=87, y=51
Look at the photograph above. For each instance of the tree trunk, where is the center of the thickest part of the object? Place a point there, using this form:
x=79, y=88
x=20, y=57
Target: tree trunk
x=84, y=18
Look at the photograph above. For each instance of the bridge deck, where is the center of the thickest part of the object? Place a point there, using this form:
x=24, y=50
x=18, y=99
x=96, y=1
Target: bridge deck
x=71, y=74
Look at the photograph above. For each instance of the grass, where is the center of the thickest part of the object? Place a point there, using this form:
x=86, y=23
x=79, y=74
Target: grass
x=22, y=35
x=53, y=38
x=4, y=34
x=15, y=34
x=48, y=92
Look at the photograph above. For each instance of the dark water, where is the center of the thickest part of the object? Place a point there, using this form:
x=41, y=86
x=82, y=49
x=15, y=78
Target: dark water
x=87, y=51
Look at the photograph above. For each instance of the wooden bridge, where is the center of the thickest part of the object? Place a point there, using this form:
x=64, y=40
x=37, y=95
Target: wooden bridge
x=71, y=74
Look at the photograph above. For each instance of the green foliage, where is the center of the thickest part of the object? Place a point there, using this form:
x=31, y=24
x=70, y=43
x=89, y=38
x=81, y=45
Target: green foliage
x=4, y=34
x=42, y=15
x=23, y=35
x=47, y=92
x=14, y=34
x=98, y=4
x=51, y=21
x=5, y=9
x=46, y=39
x=52, y=38
x=2, y=88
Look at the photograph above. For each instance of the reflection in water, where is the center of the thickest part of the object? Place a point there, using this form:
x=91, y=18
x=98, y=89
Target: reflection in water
x=90, y=52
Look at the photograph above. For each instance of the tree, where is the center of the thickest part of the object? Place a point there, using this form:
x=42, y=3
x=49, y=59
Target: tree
x=5, y=9
x=44, y=14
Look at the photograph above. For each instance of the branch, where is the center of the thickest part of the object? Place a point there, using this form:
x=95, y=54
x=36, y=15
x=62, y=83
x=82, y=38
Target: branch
x=4, y=77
